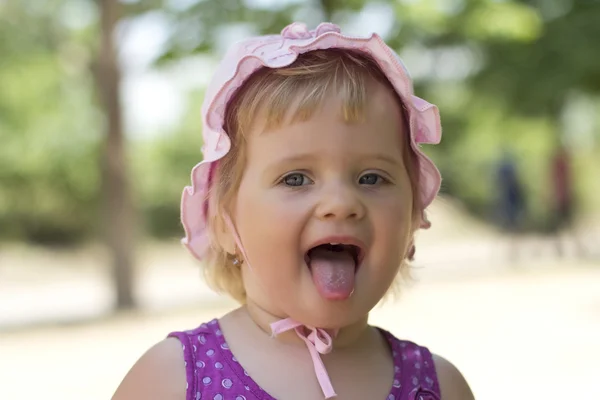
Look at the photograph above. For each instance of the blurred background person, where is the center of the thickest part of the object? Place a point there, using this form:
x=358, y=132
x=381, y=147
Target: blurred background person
x=563, y=203
x=511, y=205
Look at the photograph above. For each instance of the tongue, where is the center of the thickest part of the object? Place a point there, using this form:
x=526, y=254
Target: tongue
x=333, y=273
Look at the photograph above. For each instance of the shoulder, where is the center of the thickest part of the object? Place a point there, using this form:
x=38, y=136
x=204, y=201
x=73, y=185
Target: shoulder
x=159, y=374
x=453, y=385
x=442, y=377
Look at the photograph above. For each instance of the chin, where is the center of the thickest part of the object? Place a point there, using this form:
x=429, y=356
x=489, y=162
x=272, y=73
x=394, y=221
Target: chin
x=327, y=314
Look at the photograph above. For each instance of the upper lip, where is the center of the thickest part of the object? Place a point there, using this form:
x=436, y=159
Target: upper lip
x=348, y=240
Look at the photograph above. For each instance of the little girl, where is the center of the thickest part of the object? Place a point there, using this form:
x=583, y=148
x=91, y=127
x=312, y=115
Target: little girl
x=304, y=210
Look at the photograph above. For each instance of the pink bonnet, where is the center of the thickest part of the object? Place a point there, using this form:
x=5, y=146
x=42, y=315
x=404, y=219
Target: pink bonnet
x=276, y=51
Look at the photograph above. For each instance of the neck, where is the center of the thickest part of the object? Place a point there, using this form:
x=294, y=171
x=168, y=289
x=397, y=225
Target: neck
x=347, y=336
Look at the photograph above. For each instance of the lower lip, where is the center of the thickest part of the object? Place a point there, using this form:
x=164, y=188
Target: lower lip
x=333, y=296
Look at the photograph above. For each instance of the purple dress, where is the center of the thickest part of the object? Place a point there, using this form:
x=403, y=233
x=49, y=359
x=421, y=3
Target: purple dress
x=213, y=373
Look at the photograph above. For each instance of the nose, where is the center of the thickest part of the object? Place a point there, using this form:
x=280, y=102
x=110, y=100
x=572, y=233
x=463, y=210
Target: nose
x=340, y=202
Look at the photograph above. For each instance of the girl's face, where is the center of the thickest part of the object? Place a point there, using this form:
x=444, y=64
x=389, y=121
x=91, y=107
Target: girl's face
x=325, y=180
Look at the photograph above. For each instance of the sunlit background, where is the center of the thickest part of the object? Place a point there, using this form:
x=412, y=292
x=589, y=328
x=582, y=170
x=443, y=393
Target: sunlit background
x=100, y=126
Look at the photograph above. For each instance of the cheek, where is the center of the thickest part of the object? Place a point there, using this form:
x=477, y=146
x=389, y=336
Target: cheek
x=392, y=225
x=269, y=228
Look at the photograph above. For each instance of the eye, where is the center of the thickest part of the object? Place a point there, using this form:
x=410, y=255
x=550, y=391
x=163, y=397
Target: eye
x=371, y=179
x=295, y=179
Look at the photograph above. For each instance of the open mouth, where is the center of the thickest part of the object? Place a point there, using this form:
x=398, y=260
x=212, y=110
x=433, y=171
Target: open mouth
x=333, y=268
x=353, y=251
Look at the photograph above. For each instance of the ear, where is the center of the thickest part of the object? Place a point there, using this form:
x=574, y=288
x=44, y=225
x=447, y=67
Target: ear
x=410, y=253
x=224, y=235
x=419, y=221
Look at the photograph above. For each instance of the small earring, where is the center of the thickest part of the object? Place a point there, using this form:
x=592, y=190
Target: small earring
x=236, y=261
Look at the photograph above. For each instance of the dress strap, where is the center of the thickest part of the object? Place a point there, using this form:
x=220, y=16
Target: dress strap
x=189, y=360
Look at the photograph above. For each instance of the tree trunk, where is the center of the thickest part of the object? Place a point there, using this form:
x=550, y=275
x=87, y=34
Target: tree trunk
x=118, y=208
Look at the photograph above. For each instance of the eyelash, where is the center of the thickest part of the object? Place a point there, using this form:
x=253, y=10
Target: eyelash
x=381, y=180
x=283, y=180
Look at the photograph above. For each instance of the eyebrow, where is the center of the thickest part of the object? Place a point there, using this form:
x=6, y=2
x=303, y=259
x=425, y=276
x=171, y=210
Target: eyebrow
x=291, y=160
x=312, y=157
x=388, y=159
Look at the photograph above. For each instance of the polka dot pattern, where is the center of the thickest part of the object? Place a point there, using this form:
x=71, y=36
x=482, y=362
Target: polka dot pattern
x=214, y=373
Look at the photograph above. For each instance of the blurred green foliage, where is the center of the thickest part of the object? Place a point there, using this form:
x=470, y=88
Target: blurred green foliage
x=49, y=129
x=504, y=74
x=163, y=168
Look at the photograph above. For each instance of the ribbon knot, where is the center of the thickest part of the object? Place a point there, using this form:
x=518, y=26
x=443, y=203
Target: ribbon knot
x=318, y=341
x=320, y=338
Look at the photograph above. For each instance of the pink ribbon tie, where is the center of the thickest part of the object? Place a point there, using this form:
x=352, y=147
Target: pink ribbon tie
x=318, y=341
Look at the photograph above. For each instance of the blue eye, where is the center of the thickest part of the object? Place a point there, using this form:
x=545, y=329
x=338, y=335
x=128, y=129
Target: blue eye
x=295, y=179
x=370, y=179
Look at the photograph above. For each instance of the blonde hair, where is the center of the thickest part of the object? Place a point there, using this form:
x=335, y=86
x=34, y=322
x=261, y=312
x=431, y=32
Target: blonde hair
x=304, y=84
